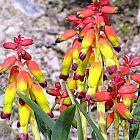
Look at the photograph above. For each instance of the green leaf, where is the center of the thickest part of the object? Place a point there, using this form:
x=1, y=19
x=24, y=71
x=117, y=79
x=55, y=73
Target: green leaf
x=79, y=124
x=43, y=116
x=63, y=124
x=95, y=129
x=42, y=127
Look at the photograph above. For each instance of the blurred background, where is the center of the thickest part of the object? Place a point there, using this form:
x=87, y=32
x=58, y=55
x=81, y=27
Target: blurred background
x=43, y=21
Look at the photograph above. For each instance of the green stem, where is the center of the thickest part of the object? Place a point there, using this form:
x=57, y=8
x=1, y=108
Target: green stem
x=116, y=125
x=125, y=125
x=83, y=120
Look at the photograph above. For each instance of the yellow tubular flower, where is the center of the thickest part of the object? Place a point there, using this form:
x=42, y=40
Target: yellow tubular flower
x=66, y=65
x=80, y=72
x=24, y=116
x=22, y=82
x=81, y=89
x=94, y=74
x=105, y=48
x=71, y=84
x=13, y=74
x=10, y=94
x=37, y=73
x=41, y=98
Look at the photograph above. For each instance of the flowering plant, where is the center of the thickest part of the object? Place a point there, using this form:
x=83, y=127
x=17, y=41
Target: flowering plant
x=92, y=76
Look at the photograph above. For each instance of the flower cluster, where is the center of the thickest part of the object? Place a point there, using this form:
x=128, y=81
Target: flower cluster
x=61, y=96
x=91, y=47
x=123, y=90
x=21, y=81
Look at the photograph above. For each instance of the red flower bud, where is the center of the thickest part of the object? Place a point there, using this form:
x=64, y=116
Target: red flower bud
x=26, y=42
x=102, y=96
x=85, y=13
x=109, y=119
x=124, y=70
x=100, y=22
x=53, y=92
x=10, y=45
x=26, y=56
x=127, y=89
x=135, y=62
x=7, y=64
x=136, y=78
x=109, y=10
x=73, y=18
x=123, y=111
x=66, y=35
x=13, y=74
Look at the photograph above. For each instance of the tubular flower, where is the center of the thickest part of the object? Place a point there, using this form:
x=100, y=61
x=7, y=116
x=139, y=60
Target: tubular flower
x=7, y=64
x=94, y=74
x=8, y=100
x=35, y=70
x=128, y=99
x=76, y=48
x=123, y=111
x=41, y=99
x=71, y=84
x=105, y=48
x=20, y=81
x=86, y=43
x=13, y=74
x=100, y=22
x=109, y=10
x=65, y=36
x=85, y=29
x=136, y=78
x=80, y=72
x=127, y=89
x=85, y=13
x=81, y=89
x=109, y=119
x=24, y=116
x=112, y=37
x=102, y=96
x=66, y=65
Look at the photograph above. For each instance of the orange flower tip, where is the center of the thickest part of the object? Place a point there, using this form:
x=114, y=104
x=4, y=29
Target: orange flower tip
x=43, y=84
x=111, y=70
x=5, y=115
x=89, y=100
x=22, y=136
x=80, y=95
x=132, y=121
x=78, y=77
x=117, y=49
x=102, y=28
x=18, y=124
x=74, y=66
x=58, y=40
x=51, y=114
x=82, y=56
x=63, y=77
x=21, y=102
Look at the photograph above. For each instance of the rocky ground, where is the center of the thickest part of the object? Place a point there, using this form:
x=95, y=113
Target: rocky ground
x=43, y=20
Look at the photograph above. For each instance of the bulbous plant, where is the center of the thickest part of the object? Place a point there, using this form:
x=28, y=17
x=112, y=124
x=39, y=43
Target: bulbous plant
x=21, y=81
x=93, y=60
x=91, y=73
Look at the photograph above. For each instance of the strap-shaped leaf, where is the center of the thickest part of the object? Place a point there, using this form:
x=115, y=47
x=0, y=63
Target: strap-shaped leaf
x=63, y=124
